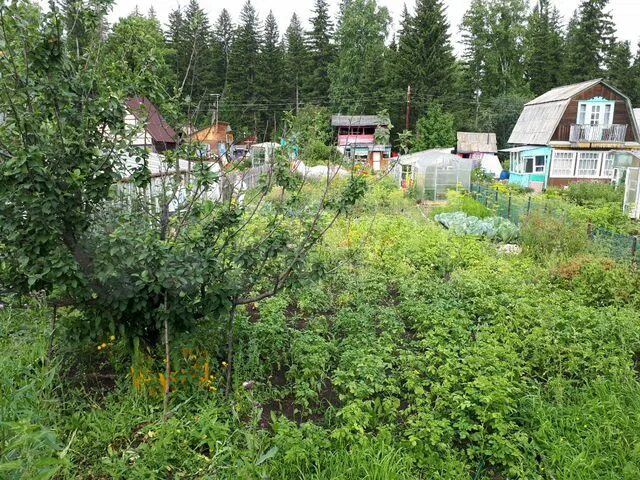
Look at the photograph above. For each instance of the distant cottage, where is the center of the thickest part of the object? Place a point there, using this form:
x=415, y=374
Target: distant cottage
x=215, y=139
x=364, y=138
x=569, y=134
x=156, y=134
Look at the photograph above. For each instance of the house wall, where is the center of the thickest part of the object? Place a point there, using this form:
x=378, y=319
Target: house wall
x=621, y=113
x=142, y=139
x=536, y=180
x=603, y=173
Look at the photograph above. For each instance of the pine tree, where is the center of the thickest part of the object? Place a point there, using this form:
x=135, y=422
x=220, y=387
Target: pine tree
x=425, y=57
x=270, y=82
x=189, y=34
x=222, y=41
x=241, y=91
x=297, y=63
x=322, y=50
x=590, y=38
x=620, y=68
x=357, y=86
x=493, y=35
x=543, y=44
x=634, y=94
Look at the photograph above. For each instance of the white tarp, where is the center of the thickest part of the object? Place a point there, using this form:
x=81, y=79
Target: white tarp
x=491, y=164
x=319, y=171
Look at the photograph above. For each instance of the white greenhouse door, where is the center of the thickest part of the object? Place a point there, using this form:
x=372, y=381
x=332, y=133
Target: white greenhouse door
x=377, y=157
x=632, y=193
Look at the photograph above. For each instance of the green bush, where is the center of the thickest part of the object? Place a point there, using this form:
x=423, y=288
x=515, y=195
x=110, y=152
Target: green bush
x=546, y=235
x=317, y=153
x=593, y=194
x=463, y=202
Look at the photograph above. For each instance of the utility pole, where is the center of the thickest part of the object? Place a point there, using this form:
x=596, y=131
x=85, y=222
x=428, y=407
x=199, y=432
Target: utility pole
x=297, y=98
x=214, y=113
x=408, y=119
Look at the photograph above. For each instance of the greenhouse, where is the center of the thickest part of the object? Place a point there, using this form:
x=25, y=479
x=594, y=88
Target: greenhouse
x=432, y=173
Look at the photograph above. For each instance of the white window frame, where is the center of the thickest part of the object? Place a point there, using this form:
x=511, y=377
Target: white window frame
x=607, y=164
x=564, y=172
x=583, y=172
x=539, y=168
x=598, y=112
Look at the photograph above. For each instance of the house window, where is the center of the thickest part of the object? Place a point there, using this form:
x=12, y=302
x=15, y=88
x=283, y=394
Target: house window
x=588, y=164
x=607, y=168
x=582, y=113
x=608, y=120
x=528, y=165
x=562, y=165
x=595, y=112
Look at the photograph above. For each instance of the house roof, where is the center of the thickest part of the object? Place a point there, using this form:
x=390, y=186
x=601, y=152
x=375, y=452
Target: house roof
x=470, y=142
x=357, y=121
x=566, y=92
x=520, y=149
x=146, y=112
x=211, y=134
x=541, y=116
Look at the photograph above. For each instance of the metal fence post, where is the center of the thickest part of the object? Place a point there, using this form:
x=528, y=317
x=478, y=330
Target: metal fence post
x=529, y=205
x=590, y=231
x=634, y=251
x=509, y=208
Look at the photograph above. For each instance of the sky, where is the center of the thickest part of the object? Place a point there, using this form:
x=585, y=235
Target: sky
x=625, y=12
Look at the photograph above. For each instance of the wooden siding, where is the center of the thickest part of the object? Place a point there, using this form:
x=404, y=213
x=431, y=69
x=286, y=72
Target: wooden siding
x=621, y=114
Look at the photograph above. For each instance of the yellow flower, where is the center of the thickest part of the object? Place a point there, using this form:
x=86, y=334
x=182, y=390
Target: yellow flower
x=225, y=364
x=99, y=347
x=112, y=338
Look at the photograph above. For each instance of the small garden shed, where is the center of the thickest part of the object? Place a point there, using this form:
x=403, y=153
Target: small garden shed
x=432, y=173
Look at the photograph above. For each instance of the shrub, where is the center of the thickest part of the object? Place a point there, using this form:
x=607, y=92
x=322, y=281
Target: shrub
x=591, y=194
x=462, y=202
x=544, y=235
x=317, y=153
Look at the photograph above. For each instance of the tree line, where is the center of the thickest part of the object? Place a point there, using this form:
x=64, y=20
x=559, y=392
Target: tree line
x=356, y=64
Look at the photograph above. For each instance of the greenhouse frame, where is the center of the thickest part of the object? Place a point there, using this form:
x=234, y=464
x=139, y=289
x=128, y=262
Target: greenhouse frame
x=430, y=174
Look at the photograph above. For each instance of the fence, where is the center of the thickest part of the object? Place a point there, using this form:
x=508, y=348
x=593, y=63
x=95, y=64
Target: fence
x=517, y=207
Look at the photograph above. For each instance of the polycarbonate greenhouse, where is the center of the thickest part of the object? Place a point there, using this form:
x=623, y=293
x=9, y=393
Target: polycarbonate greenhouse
x=432, y=173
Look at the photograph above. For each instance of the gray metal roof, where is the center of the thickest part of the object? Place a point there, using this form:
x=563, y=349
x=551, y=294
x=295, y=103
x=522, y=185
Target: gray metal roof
x=470, y=142
x=357, y=121
x=537, y=123
x=520, y=149
x=566, y=92
x=636, y=113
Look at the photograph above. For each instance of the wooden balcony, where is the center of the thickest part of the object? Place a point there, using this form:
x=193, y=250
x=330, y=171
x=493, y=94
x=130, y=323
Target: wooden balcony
x=598, y=134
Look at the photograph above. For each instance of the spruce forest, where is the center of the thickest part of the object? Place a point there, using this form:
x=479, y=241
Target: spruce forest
x=355, y=64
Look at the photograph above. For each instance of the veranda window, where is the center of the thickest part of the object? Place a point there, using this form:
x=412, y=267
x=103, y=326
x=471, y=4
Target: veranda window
x=563, y=164
x=588, y=164
x=607, y=168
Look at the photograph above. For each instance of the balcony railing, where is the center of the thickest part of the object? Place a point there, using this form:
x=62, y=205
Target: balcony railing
x=608, y=134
